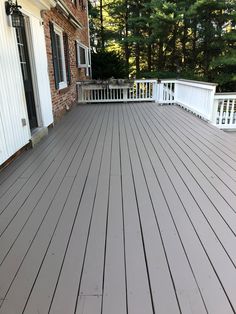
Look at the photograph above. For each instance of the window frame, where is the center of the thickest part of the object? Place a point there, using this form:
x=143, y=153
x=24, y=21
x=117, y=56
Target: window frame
x=58, y=31
x=87, y=64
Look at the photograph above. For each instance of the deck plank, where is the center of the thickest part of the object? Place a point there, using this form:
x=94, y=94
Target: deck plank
x=212, y=134
x=209, y=154
x=162, y=287
x=114, y=284
x=44, y=288
x=219, y=213
x=167, y=206
x=192, y=244
x=123, y=208
x=34, y=157
x=21, y=256
x=30, y=190
x=138, y=289
x=45, y=189
x=69, y=281
x=92, y=275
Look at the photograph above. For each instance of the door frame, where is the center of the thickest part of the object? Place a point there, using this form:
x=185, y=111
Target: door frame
x=28, y=32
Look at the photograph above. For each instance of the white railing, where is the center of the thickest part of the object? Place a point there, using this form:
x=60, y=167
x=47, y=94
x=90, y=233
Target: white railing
x=139, y=90
x=224, y=114
x=166, y=91
x=195, y=96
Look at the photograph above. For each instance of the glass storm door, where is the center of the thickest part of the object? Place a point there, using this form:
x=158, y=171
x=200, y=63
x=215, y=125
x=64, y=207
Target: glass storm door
x=27, y=76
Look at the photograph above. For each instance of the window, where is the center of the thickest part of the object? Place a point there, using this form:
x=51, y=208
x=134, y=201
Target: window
x=60, y=57
x=84, y=57
x=60, y=54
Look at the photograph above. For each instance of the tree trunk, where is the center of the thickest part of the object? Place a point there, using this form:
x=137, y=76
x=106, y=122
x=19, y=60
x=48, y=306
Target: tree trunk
x=102, y=26
x=137, y=59
x=160, y=61
x=149, y=52
x=184, y=42
x=126, y=46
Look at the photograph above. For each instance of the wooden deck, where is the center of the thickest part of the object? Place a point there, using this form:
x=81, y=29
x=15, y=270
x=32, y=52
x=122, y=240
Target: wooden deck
x=123, y=209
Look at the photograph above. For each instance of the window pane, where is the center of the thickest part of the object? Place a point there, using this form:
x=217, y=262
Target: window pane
x=59, y=58
x=82, y=55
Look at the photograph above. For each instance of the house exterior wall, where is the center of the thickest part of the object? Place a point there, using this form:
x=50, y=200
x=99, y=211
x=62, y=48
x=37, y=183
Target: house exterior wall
x=13, y=133
x=65, y=98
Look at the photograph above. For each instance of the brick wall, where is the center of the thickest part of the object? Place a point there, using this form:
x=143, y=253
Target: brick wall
x=66, y=97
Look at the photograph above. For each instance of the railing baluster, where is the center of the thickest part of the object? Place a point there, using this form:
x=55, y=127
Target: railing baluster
x=232, y=112
x=227, y=112
x=221, y=112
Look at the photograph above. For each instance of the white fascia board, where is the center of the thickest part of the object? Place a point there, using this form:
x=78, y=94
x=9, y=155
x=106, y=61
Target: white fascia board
x=45, y=4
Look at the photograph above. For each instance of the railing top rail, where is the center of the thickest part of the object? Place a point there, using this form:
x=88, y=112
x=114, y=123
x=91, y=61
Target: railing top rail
x=225, y=96
x=196, y=82
x=166, y=80
x=98, y=82
x=144, y=80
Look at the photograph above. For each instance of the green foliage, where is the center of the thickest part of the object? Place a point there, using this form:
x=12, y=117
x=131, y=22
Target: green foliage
x=171, y=38
x=108, y=64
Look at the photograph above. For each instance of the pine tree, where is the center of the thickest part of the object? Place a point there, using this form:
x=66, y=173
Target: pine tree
x=171, y=37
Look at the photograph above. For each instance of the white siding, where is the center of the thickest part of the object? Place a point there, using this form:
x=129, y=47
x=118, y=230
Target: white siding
x=12, y=98
x=13, y=135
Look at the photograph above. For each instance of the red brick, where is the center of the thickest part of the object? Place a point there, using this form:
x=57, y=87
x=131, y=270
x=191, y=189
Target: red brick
x=61, y=99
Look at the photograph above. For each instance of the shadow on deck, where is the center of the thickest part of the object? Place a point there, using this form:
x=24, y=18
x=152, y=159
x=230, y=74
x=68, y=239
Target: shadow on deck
x=122, y=209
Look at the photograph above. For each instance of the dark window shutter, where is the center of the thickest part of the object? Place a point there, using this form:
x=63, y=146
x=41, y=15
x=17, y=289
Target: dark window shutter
x=54, y=55
x=76, y=54
x=67, y=57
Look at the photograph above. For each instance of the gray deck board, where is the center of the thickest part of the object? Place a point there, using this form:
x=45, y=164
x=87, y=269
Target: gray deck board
x=189, y=239
x=203, y=145
x=28, y=162
x=138, y=289
x=114, y=283
x=122, y=209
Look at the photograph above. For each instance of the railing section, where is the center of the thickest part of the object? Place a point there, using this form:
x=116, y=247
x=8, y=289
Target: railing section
x=197, y=97
x=166, y=92
x=140, y=90
x=224, y=115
